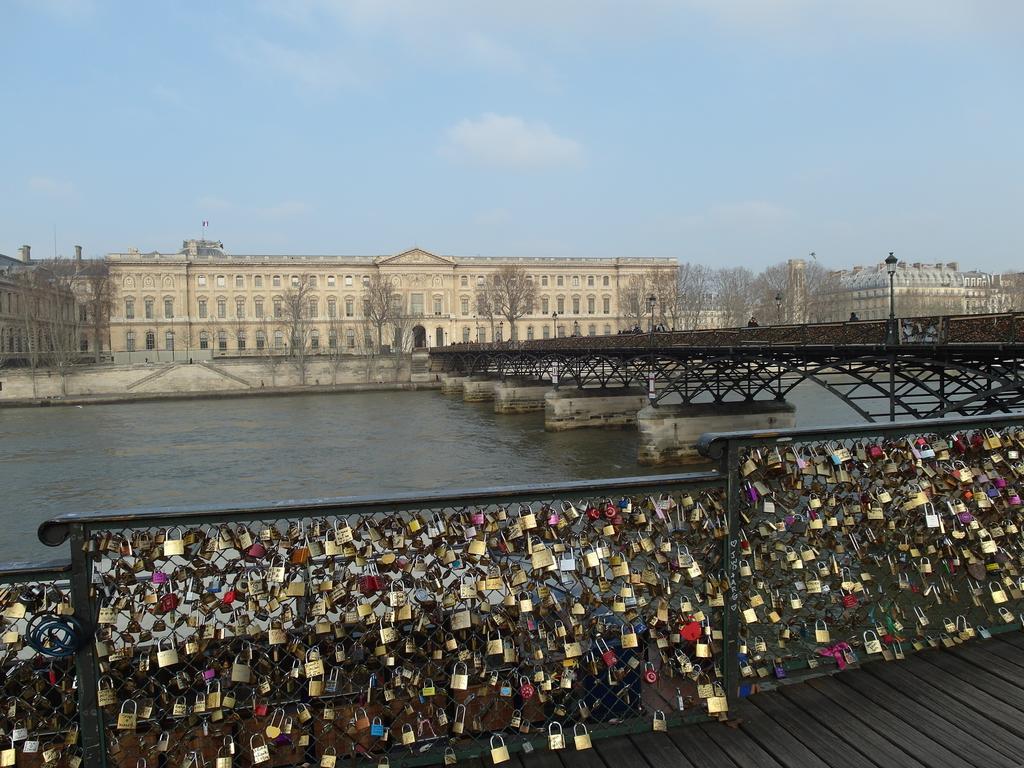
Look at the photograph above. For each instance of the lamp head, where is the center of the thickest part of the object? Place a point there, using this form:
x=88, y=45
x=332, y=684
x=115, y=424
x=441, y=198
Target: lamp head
x=651, y=301
x=890, y=264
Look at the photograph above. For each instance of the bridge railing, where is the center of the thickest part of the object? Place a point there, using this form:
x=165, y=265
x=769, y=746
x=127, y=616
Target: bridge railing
x=424, y=628
x=1005, y=328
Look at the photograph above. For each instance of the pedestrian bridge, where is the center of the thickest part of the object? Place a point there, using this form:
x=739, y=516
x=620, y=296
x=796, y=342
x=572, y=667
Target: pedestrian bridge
x=848, y=596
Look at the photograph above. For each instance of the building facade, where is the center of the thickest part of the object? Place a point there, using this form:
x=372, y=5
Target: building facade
x=919, y=290
x=38, y=313
x=202, y=301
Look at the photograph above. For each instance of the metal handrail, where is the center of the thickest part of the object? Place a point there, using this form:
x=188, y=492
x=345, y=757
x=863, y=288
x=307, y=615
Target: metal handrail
x=55, y=531
x=713, y=445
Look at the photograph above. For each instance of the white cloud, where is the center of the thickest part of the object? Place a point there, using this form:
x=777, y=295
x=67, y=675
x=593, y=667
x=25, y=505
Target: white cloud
x=505, y=141
x=312, y=70
x=55, y=188
x=289, y=209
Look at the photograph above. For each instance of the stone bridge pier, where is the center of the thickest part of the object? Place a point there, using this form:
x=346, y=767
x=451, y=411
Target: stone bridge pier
x=668, y=433
x=611, y=407
x=520, y=395
x=451, y=383
x=478, y=388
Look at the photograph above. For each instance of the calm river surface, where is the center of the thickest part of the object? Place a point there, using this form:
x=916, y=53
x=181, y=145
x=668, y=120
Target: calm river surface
x=253, y=449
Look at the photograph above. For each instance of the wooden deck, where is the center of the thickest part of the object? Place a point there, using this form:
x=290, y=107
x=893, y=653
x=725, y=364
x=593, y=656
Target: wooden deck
x=957, y=707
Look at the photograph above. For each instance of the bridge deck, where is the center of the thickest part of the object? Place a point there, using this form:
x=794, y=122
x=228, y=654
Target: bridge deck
x=960, y=707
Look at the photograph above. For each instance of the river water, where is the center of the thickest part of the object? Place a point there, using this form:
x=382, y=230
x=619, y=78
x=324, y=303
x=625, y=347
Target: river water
x=253, y=449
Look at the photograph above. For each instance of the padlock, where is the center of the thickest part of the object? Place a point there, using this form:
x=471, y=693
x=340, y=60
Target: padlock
x=499, y=752
x=581, y=736
x=555, y=738
x=607, y=654
x=526, y=689
x=650, y=673
x=658, y=722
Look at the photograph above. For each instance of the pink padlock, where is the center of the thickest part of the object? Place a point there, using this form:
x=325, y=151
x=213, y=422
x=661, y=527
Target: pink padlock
x=650, y=674
x=256, y=550
x=553, y=518
x=159, y=577
x=209, y=674
x=477, y=518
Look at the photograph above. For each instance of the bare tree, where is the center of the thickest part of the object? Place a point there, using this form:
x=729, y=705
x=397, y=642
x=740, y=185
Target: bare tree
x=733, y=291
x=663, y=284
x=694, y=296
x=49, y=317
x=298, y=325
x=485, y=308
x=822, y=287
x=335, y=347
x=378, y=306
x=771, y=297
x=95, y=291
x=633, y=300
x=272, y=357
x=510, y=295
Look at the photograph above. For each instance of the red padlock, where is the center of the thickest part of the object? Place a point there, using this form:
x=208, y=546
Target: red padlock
x=256, y=550
x=229, y=597
x=650, y=674
x=849, y=600
x=260, y=709
x=692, y=631
x=168, y=603
x=593, y=513
x=607, y=654
x=526, y=689
x=610, y=511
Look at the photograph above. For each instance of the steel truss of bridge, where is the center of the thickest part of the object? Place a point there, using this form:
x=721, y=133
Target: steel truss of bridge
x=933, y=366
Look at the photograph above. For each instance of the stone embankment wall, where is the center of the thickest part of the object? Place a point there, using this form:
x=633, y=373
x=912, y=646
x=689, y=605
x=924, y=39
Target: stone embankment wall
x=221, y=376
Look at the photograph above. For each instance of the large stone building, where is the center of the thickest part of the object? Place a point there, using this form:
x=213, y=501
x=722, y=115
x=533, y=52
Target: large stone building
x=203, y=301
x=919, y=289
x=38, y=313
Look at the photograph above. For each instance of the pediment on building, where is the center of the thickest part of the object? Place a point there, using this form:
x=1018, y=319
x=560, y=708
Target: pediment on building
x=415, y=256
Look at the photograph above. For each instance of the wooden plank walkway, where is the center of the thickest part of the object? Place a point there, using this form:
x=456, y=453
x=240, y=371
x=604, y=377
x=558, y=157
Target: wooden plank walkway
x=960, y=707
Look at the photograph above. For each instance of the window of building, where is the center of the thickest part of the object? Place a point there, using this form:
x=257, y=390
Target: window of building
x=314, y=339
x=591, y=330
x=607, y=329
x=529, y=333
x=149, y=308
x=464, y=305
x=261, y=340
x=543, y=281
x=129, y=341
x=257, y=281
x=222, y=341
x=204, y=340
x=561, y=331
x=332, y=308
x=575, y=305
x=312, y=281
x=150, y=340
x=438, y=305
x=396, y=304
x=241, y=341
x=349, y=308
x=464, y=281
x=575, y=281
x=366, y=281
x=222, y=308
x=348, y=280
x=221, y=281
x=201, y=281
x=481, y=334
x=83, y=344
x=278, y=340
x=331, y=282
x=202, y=308
x=258, y=306
x=465, y=335
x=239, y=281
x=606, y=281
x=607, y=305
x=313, y=307
x=276, y=281
x=169, y=341
x=591, y=304
x=561, y=305
x=366, y=307
x=545, y=305
x=590, y=281
x=545, y=332
x=332, y=338
x=479, y=281
x=416, y=303
x=239, y=308
x=559, y=281
x=129, y=309
x=278, y=308
x=350, y=339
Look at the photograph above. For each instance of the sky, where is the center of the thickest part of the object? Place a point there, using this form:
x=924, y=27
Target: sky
x=723, y=132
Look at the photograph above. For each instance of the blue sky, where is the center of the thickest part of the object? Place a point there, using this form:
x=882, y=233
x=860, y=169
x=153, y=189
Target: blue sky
x=717, y=131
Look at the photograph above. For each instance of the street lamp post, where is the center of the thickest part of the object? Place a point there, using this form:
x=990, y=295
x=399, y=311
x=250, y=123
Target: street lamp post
x=890, y=267
x=651, y=395
x=892, y=336
x=778, y=309
x=501, y=330
x=554, y=317
x=576, y=328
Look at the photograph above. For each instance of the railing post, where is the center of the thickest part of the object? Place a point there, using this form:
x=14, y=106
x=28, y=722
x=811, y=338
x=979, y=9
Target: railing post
x=731, y=569
x=90, y=717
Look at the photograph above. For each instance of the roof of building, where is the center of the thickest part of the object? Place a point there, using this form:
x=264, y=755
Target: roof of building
x=908, y=274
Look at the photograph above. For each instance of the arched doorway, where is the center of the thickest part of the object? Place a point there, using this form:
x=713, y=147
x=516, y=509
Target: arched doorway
x=439, y=337
x=419, y=336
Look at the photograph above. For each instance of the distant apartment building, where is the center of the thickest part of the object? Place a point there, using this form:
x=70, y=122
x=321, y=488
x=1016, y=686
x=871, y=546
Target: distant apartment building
x=919, y=289
x=37, y=313
x=202, y=301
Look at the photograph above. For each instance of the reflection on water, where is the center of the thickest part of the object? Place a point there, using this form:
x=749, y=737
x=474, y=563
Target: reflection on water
x=254, y=449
